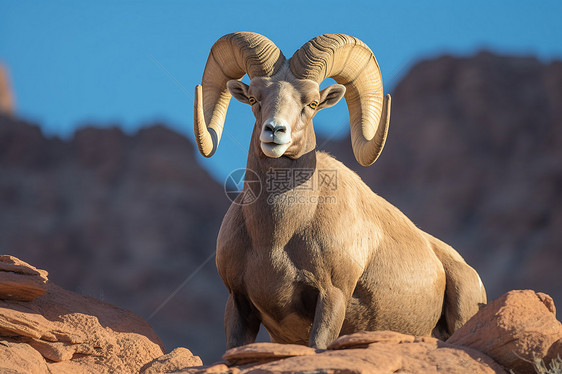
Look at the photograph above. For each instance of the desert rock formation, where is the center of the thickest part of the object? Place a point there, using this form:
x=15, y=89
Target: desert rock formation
x=59, y=331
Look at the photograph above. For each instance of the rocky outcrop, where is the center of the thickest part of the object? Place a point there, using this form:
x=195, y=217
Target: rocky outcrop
x=6, y=95
x=367, y=352
x=63, y=332
x=20, y=281
x=507, y=335
x=16, y=358
x=264, y=352
x=180, y=358
x=516, y=330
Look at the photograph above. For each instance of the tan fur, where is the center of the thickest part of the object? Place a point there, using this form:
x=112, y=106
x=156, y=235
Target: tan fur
x=312, y=271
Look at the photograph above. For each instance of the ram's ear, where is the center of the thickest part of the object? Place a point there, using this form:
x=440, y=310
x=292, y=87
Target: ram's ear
x=330, y=96
x=239, y=90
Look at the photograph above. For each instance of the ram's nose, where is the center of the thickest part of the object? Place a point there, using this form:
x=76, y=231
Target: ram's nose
x=275, y=127
x=275, y=131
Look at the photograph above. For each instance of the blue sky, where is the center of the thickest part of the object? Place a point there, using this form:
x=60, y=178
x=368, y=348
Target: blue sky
x=132, y=63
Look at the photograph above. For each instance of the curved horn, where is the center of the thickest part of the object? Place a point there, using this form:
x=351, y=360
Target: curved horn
x=350, y=62
x=231, y=57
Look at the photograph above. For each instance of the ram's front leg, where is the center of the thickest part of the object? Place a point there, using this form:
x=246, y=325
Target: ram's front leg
x=241, y=321
x=328, y=318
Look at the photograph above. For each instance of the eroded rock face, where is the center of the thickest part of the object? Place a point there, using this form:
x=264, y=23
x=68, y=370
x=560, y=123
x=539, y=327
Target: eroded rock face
x=520, y=324
x=20, y=358
x=178, y=359
x=63, y=332
x=20, y=281
x=264, y=352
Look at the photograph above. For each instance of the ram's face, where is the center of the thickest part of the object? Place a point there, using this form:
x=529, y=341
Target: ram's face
x=284, y=110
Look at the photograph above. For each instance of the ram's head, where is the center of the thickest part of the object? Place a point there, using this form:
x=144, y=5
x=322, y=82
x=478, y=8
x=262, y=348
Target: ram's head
x=285, y=95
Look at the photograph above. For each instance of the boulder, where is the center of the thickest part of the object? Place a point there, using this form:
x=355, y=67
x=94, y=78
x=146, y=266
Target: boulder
x=515, y=330
x=179, y=358
x=63, y=332
x=264, y=352
x=362, y=339
x=20, y=281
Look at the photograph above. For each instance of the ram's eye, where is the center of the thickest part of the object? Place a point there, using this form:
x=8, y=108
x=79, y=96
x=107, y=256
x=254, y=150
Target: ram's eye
x=313, y=105
x=252, y=100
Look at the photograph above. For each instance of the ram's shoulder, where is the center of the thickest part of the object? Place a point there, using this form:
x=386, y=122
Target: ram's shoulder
x=326, y=164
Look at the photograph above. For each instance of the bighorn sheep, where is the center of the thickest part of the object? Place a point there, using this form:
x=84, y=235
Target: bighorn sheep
x=308, y=270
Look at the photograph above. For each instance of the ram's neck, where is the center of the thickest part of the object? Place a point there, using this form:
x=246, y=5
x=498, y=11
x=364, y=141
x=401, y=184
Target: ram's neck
x=287, y=192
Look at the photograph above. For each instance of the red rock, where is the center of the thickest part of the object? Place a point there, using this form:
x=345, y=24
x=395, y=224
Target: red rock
x=54, y=351
x=381, y=352
x=391, y=354
x=555, y=349
x=349, y=361
x=364, y=338
x=179, y=359
x=547, y=301
x=265, y=352
x=76, y=334
x=21, y=358
x=14, y=264
x=516, y=327
x=20, y=287
x=19, y=280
